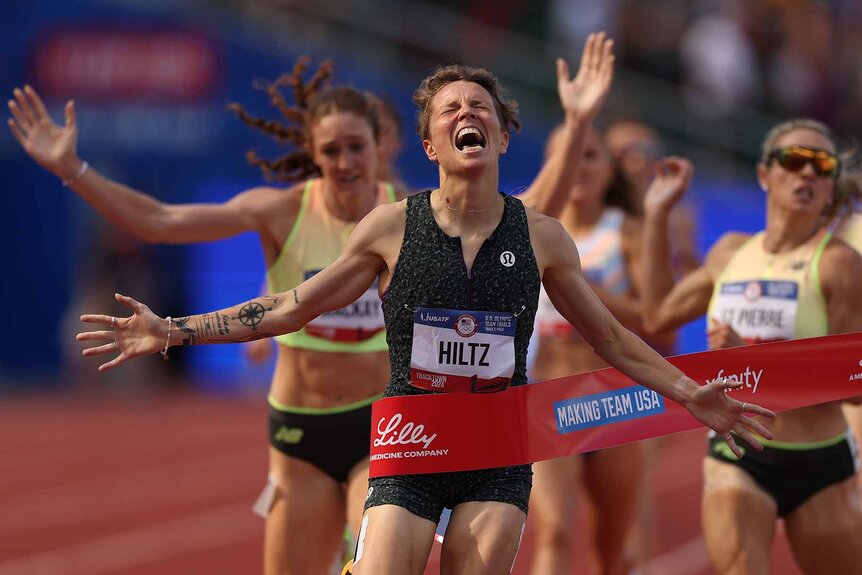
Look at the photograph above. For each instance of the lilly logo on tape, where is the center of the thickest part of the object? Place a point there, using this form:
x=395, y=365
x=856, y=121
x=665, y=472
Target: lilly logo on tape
x=393, y=433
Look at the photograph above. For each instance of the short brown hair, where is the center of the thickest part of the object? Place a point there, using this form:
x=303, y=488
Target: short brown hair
x=507, y=108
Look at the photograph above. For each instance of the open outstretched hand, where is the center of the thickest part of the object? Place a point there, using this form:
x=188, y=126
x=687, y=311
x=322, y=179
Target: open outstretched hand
x=585, y=94
x=144, y=333
x=52, y=146
x=673, y=176
x=711, y=405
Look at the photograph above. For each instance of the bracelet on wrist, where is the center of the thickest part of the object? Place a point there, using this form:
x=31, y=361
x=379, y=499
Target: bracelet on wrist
x=164, y=352
x=84, y=167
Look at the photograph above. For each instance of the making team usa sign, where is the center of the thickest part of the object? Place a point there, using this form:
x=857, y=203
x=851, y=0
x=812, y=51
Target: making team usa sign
x=588, y=411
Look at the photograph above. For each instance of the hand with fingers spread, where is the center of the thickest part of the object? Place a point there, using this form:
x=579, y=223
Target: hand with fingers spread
x=583, y=96
x=673, y=176
x=711, y=405
x=144, y=333
x=52, y=146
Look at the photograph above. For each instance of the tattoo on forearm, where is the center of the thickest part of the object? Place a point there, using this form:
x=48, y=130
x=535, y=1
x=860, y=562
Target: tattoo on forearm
x=251, y=314
x=205, y=325
x=295, y=297
x=212, y=327
x=221, y=323
x=193, y=340
x=182, y=324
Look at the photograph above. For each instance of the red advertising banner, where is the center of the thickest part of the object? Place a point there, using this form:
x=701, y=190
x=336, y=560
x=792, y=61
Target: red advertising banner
x=599, y=409
x=133, y=64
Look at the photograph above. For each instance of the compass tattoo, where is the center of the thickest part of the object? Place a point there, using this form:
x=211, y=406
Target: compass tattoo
x=251, y=314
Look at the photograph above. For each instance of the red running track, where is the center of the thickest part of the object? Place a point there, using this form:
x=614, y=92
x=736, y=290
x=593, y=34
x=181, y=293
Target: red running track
x=163, y=483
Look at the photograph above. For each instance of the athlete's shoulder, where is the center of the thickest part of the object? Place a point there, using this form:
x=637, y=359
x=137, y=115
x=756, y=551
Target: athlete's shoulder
x=391, y=209
x=540, y=223
x=733, y=239
x=839, y=267
x=723, y=250
x=268, y=195
x=269, y=202
x=273, y=191
x=728, y=244
x=547, y=234
x=839, y=252
x=385, y=218
x=380, y=232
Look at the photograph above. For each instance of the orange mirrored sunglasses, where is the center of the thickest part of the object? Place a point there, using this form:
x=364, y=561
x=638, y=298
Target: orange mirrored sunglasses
x=793, y=159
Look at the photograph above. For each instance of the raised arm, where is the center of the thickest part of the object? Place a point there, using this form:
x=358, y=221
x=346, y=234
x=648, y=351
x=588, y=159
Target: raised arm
x=570, y=294
x=54, y=148
x=339, y=284
x=668, y=304
x=581, y=99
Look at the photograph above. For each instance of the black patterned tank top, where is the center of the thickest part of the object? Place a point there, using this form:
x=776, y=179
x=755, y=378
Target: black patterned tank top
x=431, y=273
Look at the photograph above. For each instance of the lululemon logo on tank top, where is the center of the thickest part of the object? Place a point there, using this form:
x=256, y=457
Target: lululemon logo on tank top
x=507, y=258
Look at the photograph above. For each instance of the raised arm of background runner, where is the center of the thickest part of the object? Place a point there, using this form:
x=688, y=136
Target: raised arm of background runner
x=581, y=99
x=372, y=251
x=667, y=304
x=54, y=147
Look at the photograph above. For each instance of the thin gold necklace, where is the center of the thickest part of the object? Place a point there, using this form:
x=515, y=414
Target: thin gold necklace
x=465, y=211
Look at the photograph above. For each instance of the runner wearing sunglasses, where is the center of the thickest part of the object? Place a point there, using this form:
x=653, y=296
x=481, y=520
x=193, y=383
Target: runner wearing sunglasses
x=792, y=280
x=794, y=159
